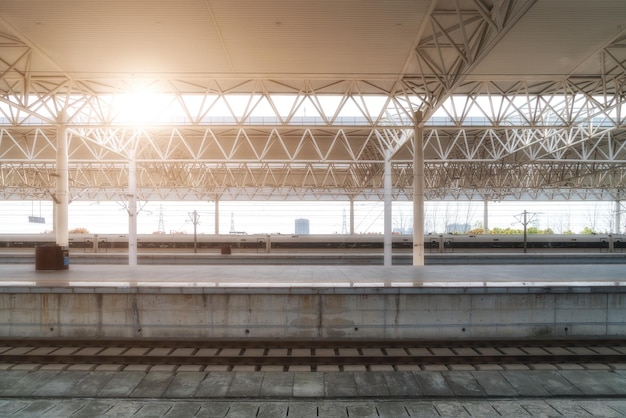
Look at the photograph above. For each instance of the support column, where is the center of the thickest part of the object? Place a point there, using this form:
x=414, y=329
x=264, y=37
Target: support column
x=486, y=215
x=351, y=216
x=618, y=216
x=217, y=216
x=132, y=211
x=418, y=191
x=61, y=198
x=54, y=215
x=387, y=211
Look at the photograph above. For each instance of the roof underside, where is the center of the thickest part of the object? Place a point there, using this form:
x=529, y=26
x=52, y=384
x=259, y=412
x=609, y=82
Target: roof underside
x=304, y=100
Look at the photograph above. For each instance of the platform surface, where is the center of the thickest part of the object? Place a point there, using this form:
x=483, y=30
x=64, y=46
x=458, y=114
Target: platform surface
x=80, y=392
x=261, y=278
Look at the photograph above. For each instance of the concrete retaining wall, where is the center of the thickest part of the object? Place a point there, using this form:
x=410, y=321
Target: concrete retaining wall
x=389, y=313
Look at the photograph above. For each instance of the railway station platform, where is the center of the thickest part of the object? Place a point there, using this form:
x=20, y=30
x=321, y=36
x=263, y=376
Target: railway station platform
x=313, y=302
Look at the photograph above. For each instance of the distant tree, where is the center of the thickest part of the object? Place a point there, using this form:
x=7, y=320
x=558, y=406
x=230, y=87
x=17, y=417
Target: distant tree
x=506, y=231
x=469, y=213
x=79, y=231
x=402, y=222
x=535, y=230
x=431, y=216
x=449, y=215
x=588, y=231
x=593, y=217
x=569, y=232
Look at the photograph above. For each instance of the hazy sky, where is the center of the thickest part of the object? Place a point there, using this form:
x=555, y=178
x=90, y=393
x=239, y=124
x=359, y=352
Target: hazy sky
x=324, y=217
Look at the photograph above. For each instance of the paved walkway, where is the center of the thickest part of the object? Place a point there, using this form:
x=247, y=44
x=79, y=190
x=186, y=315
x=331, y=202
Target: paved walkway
x=271, y=278
x=27, y=390
x=244, y=408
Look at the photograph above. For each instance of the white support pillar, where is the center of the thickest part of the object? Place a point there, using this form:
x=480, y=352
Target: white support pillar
x=61, y=198
x=418, y=191
x=351, y=216
x=618, y=216
x=132, y=211
x=486, y=215
x=54, y=215
x=387, y=211
x=217, y=216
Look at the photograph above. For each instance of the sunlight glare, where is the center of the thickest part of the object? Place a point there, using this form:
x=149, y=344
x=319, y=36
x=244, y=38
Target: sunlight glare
x=140, y=107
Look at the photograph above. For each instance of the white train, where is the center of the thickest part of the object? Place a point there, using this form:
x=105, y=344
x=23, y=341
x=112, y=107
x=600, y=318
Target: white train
x=445, y=243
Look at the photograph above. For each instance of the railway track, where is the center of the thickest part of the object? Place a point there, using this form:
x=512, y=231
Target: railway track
x=312, y=355
x=327, y=258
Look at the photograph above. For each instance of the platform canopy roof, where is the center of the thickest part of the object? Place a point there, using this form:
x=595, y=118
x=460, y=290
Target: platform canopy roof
x=301, y=99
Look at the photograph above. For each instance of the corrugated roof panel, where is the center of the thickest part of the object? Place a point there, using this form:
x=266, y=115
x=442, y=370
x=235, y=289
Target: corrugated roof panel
x=555, y=37
x=121, y=36
x=339, y=37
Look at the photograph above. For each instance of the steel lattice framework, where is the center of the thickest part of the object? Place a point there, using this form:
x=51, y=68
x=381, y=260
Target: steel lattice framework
x=325, y=136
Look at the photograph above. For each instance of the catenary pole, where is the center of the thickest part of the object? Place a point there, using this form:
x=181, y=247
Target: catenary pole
x=486, y=215
x=418, y=191
x=387, y=211
x=132, y=211
x=217, y=216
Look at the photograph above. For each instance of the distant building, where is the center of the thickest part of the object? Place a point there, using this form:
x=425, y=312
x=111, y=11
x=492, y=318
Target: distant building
x=302, y=226
x=458, y=228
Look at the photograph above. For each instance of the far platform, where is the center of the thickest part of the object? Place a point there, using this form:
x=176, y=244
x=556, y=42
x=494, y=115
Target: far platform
x=186, y=278
x=313, y=302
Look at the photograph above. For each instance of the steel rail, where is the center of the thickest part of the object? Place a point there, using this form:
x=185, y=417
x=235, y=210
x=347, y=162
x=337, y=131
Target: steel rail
x=259, y=353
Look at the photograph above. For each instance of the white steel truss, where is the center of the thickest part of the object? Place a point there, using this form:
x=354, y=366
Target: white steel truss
x=280, y=137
